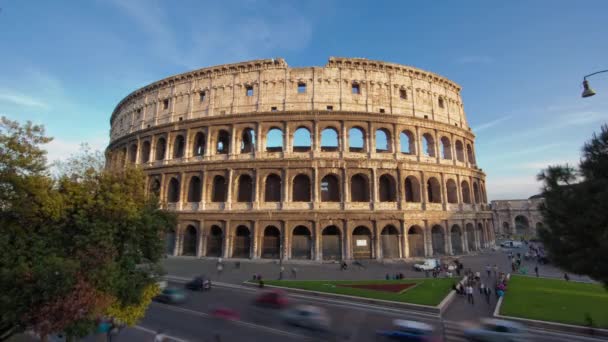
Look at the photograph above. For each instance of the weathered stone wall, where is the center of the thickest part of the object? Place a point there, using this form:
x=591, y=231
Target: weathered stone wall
x=506, y=212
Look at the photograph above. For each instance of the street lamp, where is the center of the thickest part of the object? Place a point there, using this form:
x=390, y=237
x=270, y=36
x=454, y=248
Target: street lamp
x=587, y=91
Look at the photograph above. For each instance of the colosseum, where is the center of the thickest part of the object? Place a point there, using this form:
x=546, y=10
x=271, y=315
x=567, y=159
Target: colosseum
x=359, y=159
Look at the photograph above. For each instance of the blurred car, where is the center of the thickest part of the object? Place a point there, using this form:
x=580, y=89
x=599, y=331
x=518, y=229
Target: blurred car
x=274, y=299
x=496, y=330
x=511, y=244
x=404, y=330
x=427, y=265
x=171, y=295
x=162, y=284
x=309, y=317
x=201, y=283
x=225, y=313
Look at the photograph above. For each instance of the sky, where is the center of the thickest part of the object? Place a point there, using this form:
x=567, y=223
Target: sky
x=66, y=64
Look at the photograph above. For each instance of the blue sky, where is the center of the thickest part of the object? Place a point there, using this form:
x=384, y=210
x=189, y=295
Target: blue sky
x=66, y=64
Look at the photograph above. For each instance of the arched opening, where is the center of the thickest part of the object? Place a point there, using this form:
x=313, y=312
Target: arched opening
x=301, y=140
x=161, y=147
x=388, y=190
x=331, y=243
x=198, y=149
x=446, y=148
x=248, y=141
x=223, y=142
x=194, y=190
x=470, y=155
x=245, y=191
x=482, y=235
x=476, y=192
x=459, y=151
x=329, y=140
x=433, y=190
x=522, y=225
x=383, y=141
x=506, y=229
x=301, y=188
x=456, y=236
x=271, y=247
x=173, y=191
x=155, y=187
x=214, y=242
x=412, y=189
x=466, y=192
x=189, y=244
x=390, y=242
x=170, y=241
x=359, y=188
x=272, y=191
x=438, y=240
x=301, y=243
x=415, y=240
x=470, y=231
x=219, y=189
x=428, y=145
x=452, y=191
x=356, y=140
x=178, y=147
x=407, y=141
x=362, y=243
x=330, y=189
x=133, y=153
x=242, y=242
x=145, y=152
x=274, y=140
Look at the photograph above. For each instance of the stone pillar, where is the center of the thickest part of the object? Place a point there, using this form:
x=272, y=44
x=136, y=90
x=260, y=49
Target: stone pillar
x=177, y=250
x=285, y=198
x=284, y=243
x=208, y=143
x=316, y=193
x=428, y=247
x=202, y=243
x=344, y=142
x=287, y=139
x=348, y=248
x=227, y=242
x=183, y=191
x=465, y=241
x=423, y=193
x=444, y=196
x=318, y=251
x=254, y=252
x=345, y=188
x=417, y=138
x=376, y=241
x=448, y=239
x=374, y=187
x=229, y=186
x=437, y=143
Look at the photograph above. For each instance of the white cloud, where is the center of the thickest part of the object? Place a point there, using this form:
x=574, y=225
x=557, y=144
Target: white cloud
x=582, y=118
x=61, y=149
x=22, y=100
x=512, y=187
x=489, y=124
x=544, y=164
x=475, y=59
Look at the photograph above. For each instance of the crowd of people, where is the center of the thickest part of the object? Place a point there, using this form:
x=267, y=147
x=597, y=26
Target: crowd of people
x=473, y=282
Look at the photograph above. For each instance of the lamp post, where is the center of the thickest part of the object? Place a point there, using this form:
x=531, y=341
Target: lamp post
x=587, y=91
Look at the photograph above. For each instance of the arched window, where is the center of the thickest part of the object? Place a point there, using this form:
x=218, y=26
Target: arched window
x=356, y=140
x=359, y=188
x=198, y=149
x=470, y=155
x=466, y=192
x=155, y=187
x=446, y=148
x=459, y=151
x=388, y=190
x=223, y=142
x=476, y=192
x=145, y=152
x=133, y=153
x=301, y=140
x=161, y=147
x=329, y=140
x=245, y=190
x=194, y=190
x=330, y=189
x=428, y=145
x=219, y=189
x=274, y=140
x=178, y=147
x=452, y=191
x=407, y=142
x=248, y=141
x=415, y=241
x=433, y=190
x=173, y=191
x=412, y=189
x=383, y=141
x=301, y=189
x=189, y=242
x=272, y=191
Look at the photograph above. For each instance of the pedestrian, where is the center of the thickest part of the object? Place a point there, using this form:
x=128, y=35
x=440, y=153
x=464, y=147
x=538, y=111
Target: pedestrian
x=489, y=270
x=220, y=268
x=566, y=277
x=294, y=272
x=388, y=277
x=513, y=266
x=482, y=288
x=496, y=291
x=536, y=270
x=477, y=276
x=469, y=290
x=495, y=271
x=237, y=265
x=281, y=270
x=400, y=275
x=488, y=292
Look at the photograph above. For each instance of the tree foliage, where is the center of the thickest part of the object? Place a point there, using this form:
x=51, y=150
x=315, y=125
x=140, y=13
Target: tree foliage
x=575, y=211
x=73, y=245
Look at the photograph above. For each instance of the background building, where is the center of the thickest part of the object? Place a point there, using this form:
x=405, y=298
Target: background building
x=517, y=217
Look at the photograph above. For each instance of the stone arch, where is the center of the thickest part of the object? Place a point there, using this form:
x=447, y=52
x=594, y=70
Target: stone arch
x=330, y=188
x=155, y=187
x=301, y=140
x=407, y=142
x=390, y=242
x=452, y=191
x=446, y=148
x=274, y=140
x=359, y=188
x=170, y=241
x=178, y=146
x=173, y=191
x=466, y=192
x=329, y=140
x=145, y=152
x=271, y=246
x=219, y=189
x=482, y=235
x=301, y=243
x=223, y=142
x=459, y=151
x=194, y=189
x=383, y=140
x=301, y=188
x=362, y=243
x=356, y=139
x=456, y=239
x=412, y=189
x=522, y=225
x=248, y=140
x=438, y=240
x=476, y=192
x=214, y=242
x=470, y=154
x=161, y=148
x=331, y=243
x=190, y=239
x=387, y=188
x=133, y=153
x=470, y=233
x=198, y=148
x=245, y=189
x=415, y=241
x=428, y=145
x=433, y=190
x=242, y=242
x=272, y=188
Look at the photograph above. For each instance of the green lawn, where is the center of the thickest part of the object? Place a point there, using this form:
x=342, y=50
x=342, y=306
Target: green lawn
x=555, y=300
x=427, y=291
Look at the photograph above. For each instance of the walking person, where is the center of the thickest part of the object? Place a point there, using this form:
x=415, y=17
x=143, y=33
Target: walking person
x=469, y=290
x=281, y=270
x=488, y=270
x=294, y=272
x=495, y=270
x=536, y=270
x=482, y=288
x=488, y=292
x=220, y=268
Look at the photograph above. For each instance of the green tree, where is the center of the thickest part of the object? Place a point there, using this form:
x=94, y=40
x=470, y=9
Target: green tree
x=575, y=211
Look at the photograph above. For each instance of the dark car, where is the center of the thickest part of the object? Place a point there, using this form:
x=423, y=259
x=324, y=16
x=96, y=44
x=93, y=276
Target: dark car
x=201, y=283
x=171, y=295
x=274, y=299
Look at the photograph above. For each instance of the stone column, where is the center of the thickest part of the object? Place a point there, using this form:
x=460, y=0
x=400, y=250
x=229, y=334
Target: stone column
x=226, y=248
x=287, y=139
x=344, y=142
x=437, y=144
x=177, y=249
x=448, y=239
x=284, y=243
x=345, y=188
x=183, y=191
x=316, y=193
x=254, y=251
x=376, y=241
x=202, y=243
x=318, y=251
x=444, y=190
x=208, y=147
x=423, y=193
x=374, y=187
x=285, y=198
x=347, y=249
x=418, y=140
x=428, y=247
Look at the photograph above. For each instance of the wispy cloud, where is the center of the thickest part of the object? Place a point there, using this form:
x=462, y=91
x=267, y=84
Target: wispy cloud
x=490, y=124
x=22, y=100
x=514, y=187
x=582, y=118
x=475, y=59
x=61, y=149
x=539, y=165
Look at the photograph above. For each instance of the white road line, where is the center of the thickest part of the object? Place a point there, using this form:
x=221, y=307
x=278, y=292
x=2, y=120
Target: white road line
x=176, y=339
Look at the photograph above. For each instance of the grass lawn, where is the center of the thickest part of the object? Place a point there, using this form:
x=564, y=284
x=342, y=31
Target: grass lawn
x=426, y=292
x=555, y=300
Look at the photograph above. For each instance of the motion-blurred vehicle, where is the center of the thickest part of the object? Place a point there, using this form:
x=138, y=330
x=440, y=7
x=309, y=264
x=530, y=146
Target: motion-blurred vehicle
x=496, y=330
x=309, y=317
x=404, y=330
x=171, y=295
x=427, y=265
x=511, y=244
x=225, y=313
x=275, y=299
x=201, y=283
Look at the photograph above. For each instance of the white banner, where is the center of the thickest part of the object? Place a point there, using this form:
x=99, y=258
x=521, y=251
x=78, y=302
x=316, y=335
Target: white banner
x=361, y=243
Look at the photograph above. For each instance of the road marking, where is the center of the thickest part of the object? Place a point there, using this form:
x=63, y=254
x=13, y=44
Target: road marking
x=176, y=339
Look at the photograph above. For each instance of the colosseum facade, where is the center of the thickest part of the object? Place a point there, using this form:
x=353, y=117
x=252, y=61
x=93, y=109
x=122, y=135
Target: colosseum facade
x=359, y=159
